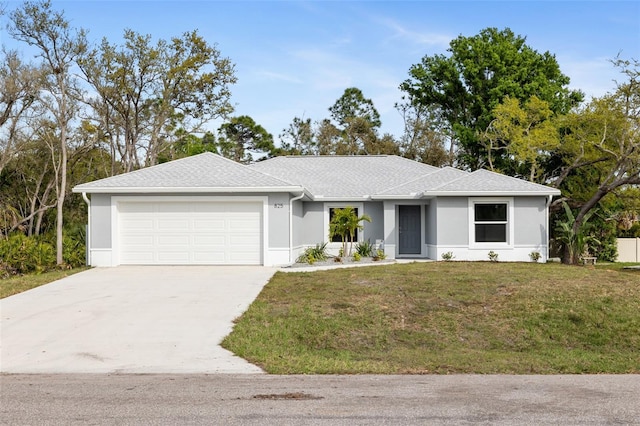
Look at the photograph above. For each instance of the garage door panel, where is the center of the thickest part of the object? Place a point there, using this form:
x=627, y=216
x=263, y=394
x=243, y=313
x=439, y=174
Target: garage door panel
x=134, y=223
x=244, y=240
x=136, y=207
x=172, y=224
x=168, y=207
x=134, y=240
x=240, y=257
x=174, y=241
x=209, y=207
x=210, y=240
x=210, y=258
x=175, y=232
x=243, y=224
x=141, y=258
x=207, y=225
x=241, y=207
x=173, y=257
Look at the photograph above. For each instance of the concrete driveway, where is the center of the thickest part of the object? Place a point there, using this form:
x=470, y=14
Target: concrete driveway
x=130, y=319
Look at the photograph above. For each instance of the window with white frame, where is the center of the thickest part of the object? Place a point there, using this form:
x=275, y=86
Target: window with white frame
x=491, y=221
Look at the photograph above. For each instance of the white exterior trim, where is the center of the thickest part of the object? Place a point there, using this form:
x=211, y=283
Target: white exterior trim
x=473, y=245
x=187, y=190
x=518, y=253
x=277, y=257
x=551, y=191
x=101, y=257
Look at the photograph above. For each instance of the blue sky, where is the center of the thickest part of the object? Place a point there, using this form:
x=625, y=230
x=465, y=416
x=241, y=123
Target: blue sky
x=295, y=58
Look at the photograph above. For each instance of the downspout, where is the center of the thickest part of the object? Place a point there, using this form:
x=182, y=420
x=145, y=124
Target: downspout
x=88, y=251
x=546, y=212
x=291, y=224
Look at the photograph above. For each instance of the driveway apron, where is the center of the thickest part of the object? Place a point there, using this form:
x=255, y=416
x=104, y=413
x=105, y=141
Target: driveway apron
x=130, y=319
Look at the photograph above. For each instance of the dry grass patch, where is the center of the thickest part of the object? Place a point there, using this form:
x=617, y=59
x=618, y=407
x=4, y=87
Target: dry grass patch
x=20, y=283
x=445, y=317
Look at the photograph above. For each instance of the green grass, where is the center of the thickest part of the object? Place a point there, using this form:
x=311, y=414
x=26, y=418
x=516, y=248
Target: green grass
x=20, y=283
x=445, y=317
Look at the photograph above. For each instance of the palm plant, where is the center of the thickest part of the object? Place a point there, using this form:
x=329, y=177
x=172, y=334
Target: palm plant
x=345, y=223
x=354, y=224
x=575, y=240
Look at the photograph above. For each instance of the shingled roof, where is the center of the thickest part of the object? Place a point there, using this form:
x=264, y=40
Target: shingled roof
x=320, y=177
x=335, y=177
x=205, y=172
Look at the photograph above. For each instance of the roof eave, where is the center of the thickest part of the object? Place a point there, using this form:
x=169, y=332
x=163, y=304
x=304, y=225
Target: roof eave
x=492, y=193
x=189, y=190
x=341, y=199
x=412, y=196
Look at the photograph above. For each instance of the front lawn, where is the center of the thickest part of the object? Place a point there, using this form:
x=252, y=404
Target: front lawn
x=445, y=317
x=20, y=283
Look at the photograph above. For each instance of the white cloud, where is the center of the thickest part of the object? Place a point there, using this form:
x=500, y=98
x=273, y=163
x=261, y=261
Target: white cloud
x=275, y=76
x=440, y=41
x=593, y=76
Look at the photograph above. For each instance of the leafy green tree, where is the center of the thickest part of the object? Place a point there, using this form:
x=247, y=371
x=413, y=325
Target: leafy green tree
x=352, y=104
x=480, y=72
x=189, y=144
x=627, y=213
x=601, y=145
x=298, y=138
x=358, y=121
x=243, y=140
x=425, y=136
x=382, y=145
x=526, y=132
x=328, y=136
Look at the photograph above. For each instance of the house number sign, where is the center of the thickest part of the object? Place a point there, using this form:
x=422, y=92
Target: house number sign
x=278, y=205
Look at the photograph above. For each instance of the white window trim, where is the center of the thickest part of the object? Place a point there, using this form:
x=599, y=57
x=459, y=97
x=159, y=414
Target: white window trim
x=327, y=206
x=510, y=222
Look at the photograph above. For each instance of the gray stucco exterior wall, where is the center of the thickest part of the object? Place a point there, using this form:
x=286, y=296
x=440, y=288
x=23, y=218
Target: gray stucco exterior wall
x=431, y=222
x=530, y=220
x=298, y=223
x=278, y=211
x=374, y=230
x=100, y=221
x=312, y=231
x=453, y=221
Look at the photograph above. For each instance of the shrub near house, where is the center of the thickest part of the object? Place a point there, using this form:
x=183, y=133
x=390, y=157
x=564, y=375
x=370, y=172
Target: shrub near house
x=20, y=254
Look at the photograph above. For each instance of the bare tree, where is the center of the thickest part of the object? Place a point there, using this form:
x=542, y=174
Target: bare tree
x=36, y=24
x=149, y=93
x=19, y=89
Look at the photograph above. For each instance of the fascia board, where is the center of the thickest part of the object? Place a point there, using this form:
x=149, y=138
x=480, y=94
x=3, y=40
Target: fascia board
x=413, y=196
x=492, y=193
x=188, y=190
x=341, y=199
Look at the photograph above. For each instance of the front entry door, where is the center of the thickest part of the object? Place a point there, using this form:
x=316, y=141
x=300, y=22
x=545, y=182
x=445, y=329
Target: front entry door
x=410, y=229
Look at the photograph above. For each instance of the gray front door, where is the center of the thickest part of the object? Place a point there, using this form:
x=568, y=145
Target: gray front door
x=409, y=224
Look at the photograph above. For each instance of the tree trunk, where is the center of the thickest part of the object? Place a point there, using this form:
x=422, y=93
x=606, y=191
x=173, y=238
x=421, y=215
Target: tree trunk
x=61, y=194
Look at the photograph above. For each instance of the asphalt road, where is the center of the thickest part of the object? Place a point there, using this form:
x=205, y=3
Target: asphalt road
x=92, y=399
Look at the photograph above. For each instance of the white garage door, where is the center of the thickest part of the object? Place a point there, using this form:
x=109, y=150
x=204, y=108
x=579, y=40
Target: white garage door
x=190, y=233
